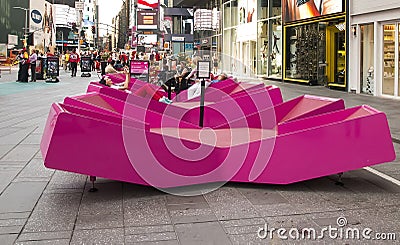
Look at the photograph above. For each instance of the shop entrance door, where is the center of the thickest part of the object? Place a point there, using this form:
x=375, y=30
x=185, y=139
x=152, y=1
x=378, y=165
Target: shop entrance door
x=391, y=66
x=336, y=56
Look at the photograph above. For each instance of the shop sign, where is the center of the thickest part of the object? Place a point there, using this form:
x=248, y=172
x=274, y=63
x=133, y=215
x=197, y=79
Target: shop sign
x=177, y=39
x=147, y=20
x=36, y=16
x=80, y=6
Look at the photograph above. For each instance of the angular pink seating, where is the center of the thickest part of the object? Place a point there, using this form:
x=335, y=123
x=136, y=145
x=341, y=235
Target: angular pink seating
x=249, y=135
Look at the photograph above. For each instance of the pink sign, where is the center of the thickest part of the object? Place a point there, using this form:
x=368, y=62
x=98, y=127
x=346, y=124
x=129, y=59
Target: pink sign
x=139, y=67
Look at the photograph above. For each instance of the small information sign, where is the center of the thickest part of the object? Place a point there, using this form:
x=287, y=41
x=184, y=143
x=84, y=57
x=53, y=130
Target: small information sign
x=203, y=69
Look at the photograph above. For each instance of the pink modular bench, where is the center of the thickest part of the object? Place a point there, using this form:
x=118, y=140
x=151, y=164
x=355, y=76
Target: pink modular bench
x=247, y=138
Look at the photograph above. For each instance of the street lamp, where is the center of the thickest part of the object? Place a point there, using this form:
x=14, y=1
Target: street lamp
x=26, y=23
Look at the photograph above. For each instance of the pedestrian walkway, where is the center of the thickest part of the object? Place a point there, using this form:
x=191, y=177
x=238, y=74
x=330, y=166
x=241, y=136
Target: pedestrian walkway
x=44, y=206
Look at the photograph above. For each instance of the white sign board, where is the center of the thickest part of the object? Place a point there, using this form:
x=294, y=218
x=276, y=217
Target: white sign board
x=178, y=39
x=12, y=39
x=203, y=69
x=80, y=6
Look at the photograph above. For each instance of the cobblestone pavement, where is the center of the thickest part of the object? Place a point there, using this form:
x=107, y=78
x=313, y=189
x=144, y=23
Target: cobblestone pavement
x=44, y=206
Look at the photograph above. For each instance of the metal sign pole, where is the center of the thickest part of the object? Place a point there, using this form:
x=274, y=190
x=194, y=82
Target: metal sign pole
x=203, y=72
x=203, y=90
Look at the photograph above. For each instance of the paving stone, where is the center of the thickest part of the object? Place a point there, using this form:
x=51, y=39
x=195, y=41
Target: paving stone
x=15, y=138
x=104, y=236
x=251, y=239
x=180, y=200
x=8, y=239
x=60, y=211
x=238, y=230
x=21, y=215
x=229, y=203
x=21, y=153
x=36, y=169
x=242, y=222
x=65, y=180
x=148, y=229
x=150, y=237
x=201, y=233
x=12, y=222
x=108, y=200
x=39, y=236
x=99, y=221
x=44, y=242
x=258, y=196
x=32, y=139
x=4, y=149
x=169, y=242
x=145, y=212
x=192, y=215
x=21, y=197
x=6, y=176
x=11, y=229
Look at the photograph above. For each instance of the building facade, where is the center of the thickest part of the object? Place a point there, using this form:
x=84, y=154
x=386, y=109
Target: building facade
x=12, y=21
x=375, y=48
x=252, y=37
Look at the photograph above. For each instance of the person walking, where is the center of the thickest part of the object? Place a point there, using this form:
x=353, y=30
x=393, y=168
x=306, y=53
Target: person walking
x=32, y=61
x=73, y=61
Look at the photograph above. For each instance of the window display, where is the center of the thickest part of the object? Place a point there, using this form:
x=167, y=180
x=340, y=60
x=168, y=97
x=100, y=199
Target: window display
x=306, y=48
x=275, y=57
x=388, y=59
x=398, y=40
x=367, y=59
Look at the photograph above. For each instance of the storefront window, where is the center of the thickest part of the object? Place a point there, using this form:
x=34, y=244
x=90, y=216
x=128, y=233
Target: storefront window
x=262, y=9
x=234, y=18
x=262, y=41
x=388, y=59
x=276, y=8
x=226, y=59
x=227, y=15
x=367, y=59
x=275, y=49
x=302, y=53
x=398, y=82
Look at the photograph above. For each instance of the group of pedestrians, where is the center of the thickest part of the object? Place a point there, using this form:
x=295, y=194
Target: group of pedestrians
x=27, y=61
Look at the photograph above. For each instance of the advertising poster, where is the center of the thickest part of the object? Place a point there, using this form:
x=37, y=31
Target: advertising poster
x=147, y=20
x=303, y=9
x=85, y=64
x=150, y=39
x=38, y=68
x=247, y=29
x=139, y=69
x=52, y=66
